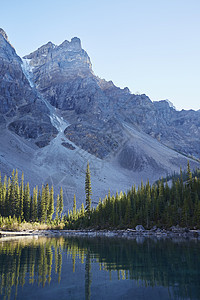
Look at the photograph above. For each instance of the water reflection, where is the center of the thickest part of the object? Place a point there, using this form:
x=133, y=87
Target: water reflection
x=150, y=263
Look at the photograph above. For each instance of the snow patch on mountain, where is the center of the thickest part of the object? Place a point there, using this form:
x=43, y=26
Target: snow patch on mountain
x=27, y=70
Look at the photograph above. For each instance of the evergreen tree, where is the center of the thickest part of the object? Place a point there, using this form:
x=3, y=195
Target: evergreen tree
x=50, y=209
x=189, y=175
x=39, y=206
x=88, y=191
x=35, y=206
x=27, y=201
x=60, y=203
x=43, y=205
x=74, y=208
x=57, y=207
x=21, y=205
x=82, y=210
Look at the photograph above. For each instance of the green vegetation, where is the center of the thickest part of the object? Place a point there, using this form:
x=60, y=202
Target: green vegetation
x=18, y=206
x=183, y=174
x=158, y=205
x=88, y=192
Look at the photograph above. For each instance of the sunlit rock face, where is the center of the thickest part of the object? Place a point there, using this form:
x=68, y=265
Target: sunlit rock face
x=97, y=110
x=63, y=76
x=56, y=115
x=21, y=110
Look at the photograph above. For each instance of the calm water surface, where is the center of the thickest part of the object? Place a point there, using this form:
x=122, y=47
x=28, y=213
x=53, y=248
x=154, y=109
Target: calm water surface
x=99, y=268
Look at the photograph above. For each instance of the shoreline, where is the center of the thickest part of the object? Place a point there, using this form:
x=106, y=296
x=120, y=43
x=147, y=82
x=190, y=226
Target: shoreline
x=115, y=233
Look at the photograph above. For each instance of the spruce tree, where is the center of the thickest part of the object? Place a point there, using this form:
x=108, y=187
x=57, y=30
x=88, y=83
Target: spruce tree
x=189, y=176
x=47, y=199
x=11, y=198
x=39, y=206
x=50, y=209
x=35, y=204
x=57, y=207
x=21, y=209
x=60, y=203
x=88, y=191
x=74, y=208
x=43, y=205
x=27, y=201
x=82, y=210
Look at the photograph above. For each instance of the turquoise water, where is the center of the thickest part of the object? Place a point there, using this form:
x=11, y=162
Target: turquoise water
x=99, y=268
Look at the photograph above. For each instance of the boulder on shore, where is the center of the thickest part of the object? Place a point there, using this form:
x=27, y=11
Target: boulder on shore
x=139, y=228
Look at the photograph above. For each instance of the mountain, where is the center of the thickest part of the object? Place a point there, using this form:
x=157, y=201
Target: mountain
x=63, y=75
x=21, y=109
x=56, y=114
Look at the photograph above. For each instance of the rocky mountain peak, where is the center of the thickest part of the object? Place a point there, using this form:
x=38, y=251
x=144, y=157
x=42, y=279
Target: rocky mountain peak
x=7, y=51
x=42, y=51
x=2, y=32
x=74, y=45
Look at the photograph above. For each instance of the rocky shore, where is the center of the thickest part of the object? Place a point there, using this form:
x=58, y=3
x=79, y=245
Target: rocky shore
x=139, y=233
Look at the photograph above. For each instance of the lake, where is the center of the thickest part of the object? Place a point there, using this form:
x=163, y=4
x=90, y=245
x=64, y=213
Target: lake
x=99, y=268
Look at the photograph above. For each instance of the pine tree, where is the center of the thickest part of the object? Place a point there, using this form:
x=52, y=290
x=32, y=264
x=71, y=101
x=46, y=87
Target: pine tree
x=148, y=204
x=27, y=200
x=88, y=191
x=43, y=205
x=60, y=203
x=39, y=207
x=11, y=198
x=189, y=175
x=21, y=205
x=57, y=207
x=74, y=208
x=47, y=200
x=50, y=209
x=31, y=210
x=82, y=210
x=35, y=206
x=7, y=197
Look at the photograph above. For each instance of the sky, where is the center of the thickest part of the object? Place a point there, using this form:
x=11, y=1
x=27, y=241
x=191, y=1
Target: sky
x=150, y=46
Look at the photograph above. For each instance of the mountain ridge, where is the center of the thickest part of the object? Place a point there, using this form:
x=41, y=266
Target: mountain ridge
x=65, y=116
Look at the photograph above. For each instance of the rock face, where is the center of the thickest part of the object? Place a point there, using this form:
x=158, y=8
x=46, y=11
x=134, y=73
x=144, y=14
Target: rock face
x=21, y=110
x=55, y=115
x=97, y=109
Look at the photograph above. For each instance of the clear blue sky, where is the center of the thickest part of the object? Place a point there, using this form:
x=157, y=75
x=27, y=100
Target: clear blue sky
x=151, y=46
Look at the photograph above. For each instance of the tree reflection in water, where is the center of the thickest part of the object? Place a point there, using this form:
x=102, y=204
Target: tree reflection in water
x=167, y=263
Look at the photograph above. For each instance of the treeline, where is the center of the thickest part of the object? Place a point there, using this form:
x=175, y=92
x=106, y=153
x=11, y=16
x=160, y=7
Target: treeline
x=16, y=200
x=175, y=176
x=160, y=204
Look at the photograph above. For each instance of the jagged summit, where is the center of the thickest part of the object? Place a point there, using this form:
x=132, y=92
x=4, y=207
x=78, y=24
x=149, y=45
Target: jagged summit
x=53, y=100
x=68, y=57
x=74, y=45
x=2, y=32
x=63, y=75
x=7, y=51
x=41, y=51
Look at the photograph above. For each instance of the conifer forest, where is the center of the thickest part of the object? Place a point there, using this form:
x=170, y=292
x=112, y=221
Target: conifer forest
x=163, y=204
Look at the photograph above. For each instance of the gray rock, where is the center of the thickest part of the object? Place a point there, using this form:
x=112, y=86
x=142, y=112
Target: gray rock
x=63, y=75
x=26, y=114
x=57, y=87
x=139, y=228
